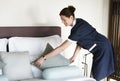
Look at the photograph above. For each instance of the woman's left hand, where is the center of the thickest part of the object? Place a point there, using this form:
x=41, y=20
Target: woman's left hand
x=39, y=61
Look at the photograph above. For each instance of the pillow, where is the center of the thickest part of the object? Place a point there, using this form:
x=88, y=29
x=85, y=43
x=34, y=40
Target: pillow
x=17, y=65
x=3, y=47
x=54, y=61
x=3, y=78
x=35, y=46
x=60, y=73
x=37, y=73
x=2, y=64
x=3, y=44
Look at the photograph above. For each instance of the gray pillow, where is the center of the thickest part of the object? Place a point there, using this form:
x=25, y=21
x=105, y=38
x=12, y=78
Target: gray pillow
x=2, y=64
x=17, y=65
x=54, y=61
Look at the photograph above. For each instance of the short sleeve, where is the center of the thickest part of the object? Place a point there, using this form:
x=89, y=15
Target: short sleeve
x=80, y=32
x=72, y=41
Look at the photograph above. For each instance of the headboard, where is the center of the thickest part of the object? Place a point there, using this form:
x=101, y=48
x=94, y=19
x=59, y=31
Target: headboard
x=29, y=31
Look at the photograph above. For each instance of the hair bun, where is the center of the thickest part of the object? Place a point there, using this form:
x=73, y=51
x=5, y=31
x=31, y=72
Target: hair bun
x=71, y=8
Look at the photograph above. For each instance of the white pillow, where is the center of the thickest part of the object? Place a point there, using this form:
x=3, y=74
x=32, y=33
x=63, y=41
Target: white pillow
x=3, y=44
x=3, y=47
x=17, y=65
x=35, y=46
x=1, y=66
x=37, y=73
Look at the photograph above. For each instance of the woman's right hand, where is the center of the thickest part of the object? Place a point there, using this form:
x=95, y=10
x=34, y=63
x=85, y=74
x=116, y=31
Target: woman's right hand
x=72, y=59
x=39, y=61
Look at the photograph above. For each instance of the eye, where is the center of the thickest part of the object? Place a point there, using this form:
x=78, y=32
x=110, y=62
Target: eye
x=64, y=20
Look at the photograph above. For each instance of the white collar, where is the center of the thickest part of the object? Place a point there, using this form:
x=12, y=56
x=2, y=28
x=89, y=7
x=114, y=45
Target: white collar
x=74, y=22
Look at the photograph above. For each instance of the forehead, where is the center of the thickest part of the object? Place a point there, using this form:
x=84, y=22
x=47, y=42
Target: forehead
x=64, y=17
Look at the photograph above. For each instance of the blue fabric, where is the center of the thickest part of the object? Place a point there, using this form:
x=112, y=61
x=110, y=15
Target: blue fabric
x=60, y=73
x=3, y=78
x=103, y=59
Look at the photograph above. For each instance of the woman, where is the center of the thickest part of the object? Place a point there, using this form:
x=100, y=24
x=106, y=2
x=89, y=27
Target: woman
x=85, y=36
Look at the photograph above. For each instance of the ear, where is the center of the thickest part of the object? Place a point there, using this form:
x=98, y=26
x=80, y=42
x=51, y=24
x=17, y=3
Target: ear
x=71, y=17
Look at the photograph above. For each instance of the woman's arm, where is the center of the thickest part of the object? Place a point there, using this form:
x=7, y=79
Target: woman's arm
x=57, y=50
x=75, y=53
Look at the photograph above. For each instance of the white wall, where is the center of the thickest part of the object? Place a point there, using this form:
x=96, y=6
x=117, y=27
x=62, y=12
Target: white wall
x=46, y=12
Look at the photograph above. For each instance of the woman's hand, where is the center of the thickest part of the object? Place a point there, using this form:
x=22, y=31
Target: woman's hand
x=72, y=59
x=39, y=61
x=77, y=49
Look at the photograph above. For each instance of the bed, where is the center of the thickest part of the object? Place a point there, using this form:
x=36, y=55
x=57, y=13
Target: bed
x=29, y=31
x=34, y=32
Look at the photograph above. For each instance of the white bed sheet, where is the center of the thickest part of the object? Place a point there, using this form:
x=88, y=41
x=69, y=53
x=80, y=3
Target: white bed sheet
x=75, y=79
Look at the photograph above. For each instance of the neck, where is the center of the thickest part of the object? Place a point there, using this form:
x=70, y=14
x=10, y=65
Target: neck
x=73, y=22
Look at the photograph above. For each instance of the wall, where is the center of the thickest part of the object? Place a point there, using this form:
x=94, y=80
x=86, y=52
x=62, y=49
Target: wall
x=46, y=12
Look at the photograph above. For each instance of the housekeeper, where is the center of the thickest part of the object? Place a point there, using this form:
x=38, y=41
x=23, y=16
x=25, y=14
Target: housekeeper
x=85, y=36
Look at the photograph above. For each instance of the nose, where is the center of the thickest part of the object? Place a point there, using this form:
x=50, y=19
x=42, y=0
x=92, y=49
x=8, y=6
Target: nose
x=65, y=24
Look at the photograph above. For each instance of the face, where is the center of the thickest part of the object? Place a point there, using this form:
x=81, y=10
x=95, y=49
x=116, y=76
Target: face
x=67, y=21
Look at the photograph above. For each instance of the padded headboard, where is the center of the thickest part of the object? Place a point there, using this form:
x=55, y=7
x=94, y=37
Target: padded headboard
x=29, y=31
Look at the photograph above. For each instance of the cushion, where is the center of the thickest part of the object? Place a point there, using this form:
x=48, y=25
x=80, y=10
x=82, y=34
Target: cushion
x=0, y=71
x=54, y=61
x=35, y=46
x=2, y=64
x=17, y=65
x=3, y=78
x=3, y=44
x=73, y=79
x=81, y=79
x=37, y=73
x=38, y=80
x=3, y=47
x=60, y=73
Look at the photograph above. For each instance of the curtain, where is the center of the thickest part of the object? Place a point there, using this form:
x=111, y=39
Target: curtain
x=114, y=35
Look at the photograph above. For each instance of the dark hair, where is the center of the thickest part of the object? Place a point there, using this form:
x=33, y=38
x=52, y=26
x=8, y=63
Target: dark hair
x=68, y=11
